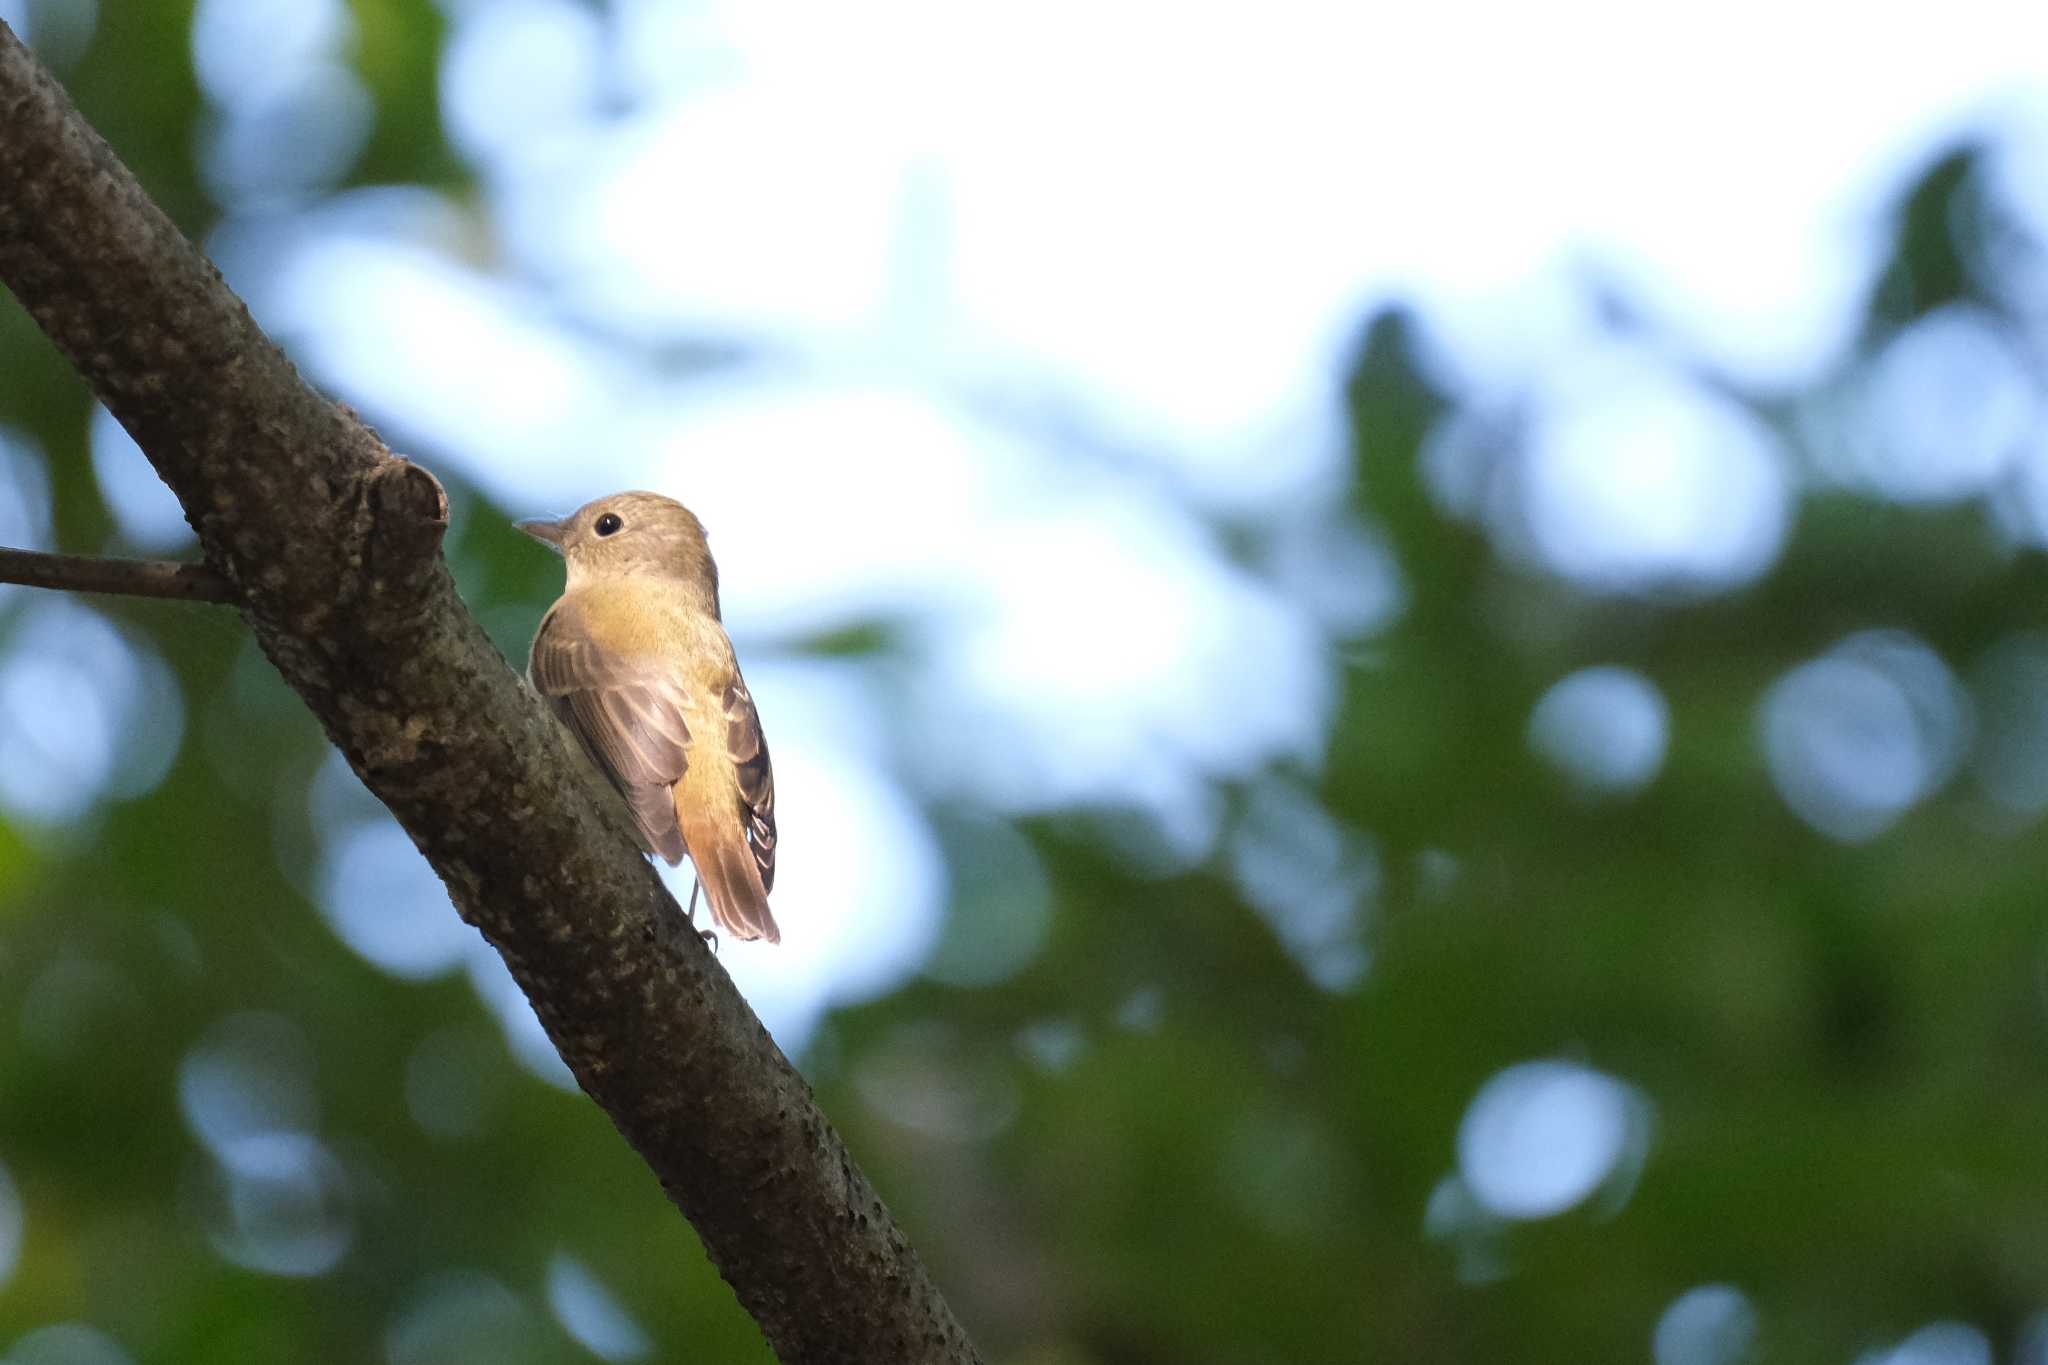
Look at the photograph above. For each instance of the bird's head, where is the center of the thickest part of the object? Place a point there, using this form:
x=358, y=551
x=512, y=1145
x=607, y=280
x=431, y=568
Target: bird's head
x=637, y=534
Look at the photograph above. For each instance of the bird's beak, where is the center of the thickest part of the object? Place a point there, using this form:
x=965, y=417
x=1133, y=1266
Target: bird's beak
x=549, y=533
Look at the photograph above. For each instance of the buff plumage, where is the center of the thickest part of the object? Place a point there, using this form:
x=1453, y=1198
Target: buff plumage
x=635, y=661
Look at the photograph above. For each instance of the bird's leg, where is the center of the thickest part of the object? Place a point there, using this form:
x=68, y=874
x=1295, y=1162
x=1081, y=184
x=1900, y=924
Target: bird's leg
x=710, y=935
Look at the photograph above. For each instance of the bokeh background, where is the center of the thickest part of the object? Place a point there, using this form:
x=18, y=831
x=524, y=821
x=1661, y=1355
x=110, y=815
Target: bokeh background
x=1407, y=653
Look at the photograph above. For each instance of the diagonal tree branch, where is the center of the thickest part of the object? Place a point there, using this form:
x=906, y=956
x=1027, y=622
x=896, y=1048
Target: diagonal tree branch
x=331, y=546
x=128, y=577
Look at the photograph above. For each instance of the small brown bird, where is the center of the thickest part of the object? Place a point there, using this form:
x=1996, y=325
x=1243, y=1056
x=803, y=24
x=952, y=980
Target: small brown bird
x=636, y=662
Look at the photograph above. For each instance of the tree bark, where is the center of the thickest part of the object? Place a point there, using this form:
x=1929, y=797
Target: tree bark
x=330, y=546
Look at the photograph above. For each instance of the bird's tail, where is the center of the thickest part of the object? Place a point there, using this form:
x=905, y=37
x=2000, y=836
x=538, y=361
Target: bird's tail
x=732, y=881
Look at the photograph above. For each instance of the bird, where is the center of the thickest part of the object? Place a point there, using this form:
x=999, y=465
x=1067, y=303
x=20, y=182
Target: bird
x=634, y=659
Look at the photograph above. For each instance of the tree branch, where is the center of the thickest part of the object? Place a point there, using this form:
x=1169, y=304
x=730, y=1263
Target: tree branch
x=127, y=577
x=332, y=548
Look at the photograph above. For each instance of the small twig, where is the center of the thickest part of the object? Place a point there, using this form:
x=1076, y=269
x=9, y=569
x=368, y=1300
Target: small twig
x=130, y=577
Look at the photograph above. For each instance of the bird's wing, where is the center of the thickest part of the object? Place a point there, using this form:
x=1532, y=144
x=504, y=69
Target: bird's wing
x=627, y=716
x=749, y=752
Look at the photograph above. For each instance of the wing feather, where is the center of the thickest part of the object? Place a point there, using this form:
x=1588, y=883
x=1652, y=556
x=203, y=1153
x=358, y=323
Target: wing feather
x=749, y=750
x=626, y=715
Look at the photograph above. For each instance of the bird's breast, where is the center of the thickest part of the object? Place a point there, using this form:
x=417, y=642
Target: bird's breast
x=630, y=617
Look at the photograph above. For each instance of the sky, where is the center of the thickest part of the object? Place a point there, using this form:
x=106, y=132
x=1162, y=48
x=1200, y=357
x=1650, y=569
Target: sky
x=1000, y=308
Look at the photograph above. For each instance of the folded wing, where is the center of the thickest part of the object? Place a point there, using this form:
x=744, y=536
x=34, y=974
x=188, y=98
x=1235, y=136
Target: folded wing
x=749, y=750
x=628, y=717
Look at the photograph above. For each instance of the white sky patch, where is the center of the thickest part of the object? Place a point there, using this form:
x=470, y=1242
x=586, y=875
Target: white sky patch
x=467, y=361
x=1635, y=476
x=1192, y=239
x=1541, y=1136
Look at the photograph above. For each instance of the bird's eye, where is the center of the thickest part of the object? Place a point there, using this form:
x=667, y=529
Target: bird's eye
x=609, y=524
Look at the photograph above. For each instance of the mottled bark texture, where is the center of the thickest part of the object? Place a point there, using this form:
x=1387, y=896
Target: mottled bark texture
x=332, y=547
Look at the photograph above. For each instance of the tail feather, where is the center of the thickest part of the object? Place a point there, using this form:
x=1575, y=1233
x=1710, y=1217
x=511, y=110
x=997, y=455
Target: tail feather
x=732, y=881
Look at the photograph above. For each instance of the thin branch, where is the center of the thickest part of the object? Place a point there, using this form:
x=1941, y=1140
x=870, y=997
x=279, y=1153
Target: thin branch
x=126, y=577
x=334, y=546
